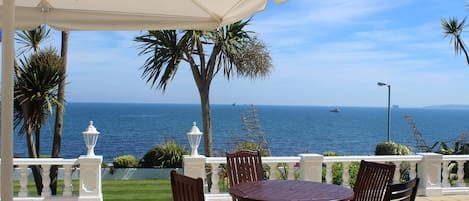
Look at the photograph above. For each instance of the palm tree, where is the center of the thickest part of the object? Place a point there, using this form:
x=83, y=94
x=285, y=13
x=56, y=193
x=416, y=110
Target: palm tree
x=453, y=29
x=37, y=79
x=230, y=49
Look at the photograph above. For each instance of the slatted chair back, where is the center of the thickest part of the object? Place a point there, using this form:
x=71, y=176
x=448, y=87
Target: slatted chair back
x=186, y=188
x=405, y=191
x=244, y=166
x=373, y=180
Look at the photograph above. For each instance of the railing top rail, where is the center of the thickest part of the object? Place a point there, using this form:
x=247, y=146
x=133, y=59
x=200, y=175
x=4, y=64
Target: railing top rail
x=455, y=157
x=267, y=159
x=220, y=160
x=281, y=159
x=41, y=161
x=329, y=159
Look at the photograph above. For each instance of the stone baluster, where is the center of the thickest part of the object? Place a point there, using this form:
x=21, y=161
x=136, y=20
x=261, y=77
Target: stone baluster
x=272, y=171
x=397, y=172
x=23, y=192
x=346, y=175
x=460, y=182
x=46, y=180
x=445, y=174
x=68, y=187
x=412, y=172
x=329, y=172
x=291, y=171
x=215, y=178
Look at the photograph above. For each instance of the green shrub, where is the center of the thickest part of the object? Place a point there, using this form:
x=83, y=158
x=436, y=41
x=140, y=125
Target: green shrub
x=391, y=148
x=353, y=173
x=126, y=161
x=166, y=155
x=337, y=169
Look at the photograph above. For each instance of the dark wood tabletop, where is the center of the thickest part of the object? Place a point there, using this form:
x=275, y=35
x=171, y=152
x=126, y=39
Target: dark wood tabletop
x=289, y=190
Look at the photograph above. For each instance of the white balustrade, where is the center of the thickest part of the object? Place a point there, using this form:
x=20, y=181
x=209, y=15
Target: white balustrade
x=429, y=167
x=67, y=164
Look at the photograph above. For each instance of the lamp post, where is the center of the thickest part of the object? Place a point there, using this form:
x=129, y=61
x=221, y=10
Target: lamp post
x=389, y=108
x=91, y=137
x=194, y=135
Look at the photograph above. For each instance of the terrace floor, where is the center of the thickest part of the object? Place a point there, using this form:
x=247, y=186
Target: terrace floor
x=445, y=198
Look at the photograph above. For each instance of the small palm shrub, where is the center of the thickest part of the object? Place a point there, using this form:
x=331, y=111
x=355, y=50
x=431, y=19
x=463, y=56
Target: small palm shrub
x=166, y=155
x=126, y=161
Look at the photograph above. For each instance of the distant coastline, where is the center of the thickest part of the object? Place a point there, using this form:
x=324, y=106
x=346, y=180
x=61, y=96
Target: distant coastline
x=449, y=106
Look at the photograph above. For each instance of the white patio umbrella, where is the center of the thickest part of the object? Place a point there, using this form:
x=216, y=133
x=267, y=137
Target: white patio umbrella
x=99, y=15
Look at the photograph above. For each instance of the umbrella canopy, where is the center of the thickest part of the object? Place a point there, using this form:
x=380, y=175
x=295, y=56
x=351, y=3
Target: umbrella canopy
x=99, y=15
x=131, y=15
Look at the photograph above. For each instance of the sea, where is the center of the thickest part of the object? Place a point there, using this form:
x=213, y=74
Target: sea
x=134, y=128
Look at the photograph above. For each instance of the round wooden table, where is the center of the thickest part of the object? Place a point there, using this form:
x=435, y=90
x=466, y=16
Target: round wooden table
x=288, y=190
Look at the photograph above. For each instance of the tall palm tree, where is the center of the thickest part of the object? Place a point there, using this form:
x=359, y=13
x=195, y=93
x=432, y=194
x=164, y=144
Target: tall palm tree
x=35, y=91
x=59, y=113
x=230, y=49
x=453, y=29
x=30, y=40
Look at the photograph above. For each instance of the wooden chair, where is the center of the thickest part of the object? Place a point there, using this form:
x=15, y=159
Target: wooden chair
x=372, y=181
x=406, y=191
x=244, y=166
x=186, y=188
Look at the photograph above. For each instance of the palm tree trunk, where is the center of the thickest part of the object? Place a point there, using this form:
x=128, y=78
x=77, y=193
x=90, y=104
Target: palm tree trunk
x=207, y=124
x=59, y=113
x=36, y=169
x=463, y=49
x=206, y=121
x=37, y=134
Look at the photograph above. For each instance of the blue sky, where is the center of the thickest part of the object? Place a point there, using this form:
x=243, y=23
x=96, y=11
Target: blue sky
x=324, y=53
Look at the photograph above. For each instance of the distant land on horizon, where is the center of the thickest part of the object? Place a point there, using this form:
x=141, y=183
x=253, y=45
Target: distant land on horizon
x=443, y=106
x=449, y=106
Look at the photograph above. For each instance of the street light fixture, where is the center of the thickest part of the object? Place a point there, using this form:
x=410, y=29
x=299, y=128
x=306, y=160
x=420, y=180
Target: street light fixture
x=381, y=84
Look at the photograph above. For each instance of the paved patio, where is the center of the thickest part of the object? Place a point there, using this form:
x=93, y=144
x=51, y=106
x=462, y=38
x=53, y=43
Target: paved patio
x=445, y=198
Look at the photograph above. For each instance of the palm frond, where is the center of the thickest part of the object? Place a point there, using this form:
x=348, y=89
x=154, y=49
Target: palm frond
x=453, y=29
x=30, y=40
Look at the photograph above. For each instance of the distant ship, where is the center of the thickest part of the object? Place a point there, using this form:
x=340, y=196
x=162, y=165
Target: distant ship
x=336, y=109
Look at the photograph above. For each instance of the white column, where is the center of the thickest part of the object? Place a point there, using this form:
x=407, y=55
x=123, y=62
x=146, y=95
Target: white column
x=8, y=57
x=215, y=170
x=311, y=167
x=46, y=180
x=23, y=181
x=90, y=178
x=461, y=174
x=346, y=175
x=194, y=166
x=429, y=172
x=68, y=187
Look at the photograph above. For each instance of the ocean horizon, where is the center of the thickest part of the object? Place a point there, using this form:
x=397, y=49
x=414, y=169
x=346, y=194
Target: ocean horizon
x=134, y=128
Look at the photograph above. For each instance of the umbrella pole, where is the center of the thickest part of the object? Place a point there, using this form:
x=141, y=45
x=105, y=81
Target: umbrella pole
x=8, y=58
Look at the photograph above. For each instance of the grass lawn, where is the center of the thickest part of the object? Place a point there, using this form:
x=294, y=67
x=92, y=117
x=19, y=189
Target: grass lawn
x=123, y=190
x=138, y=190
